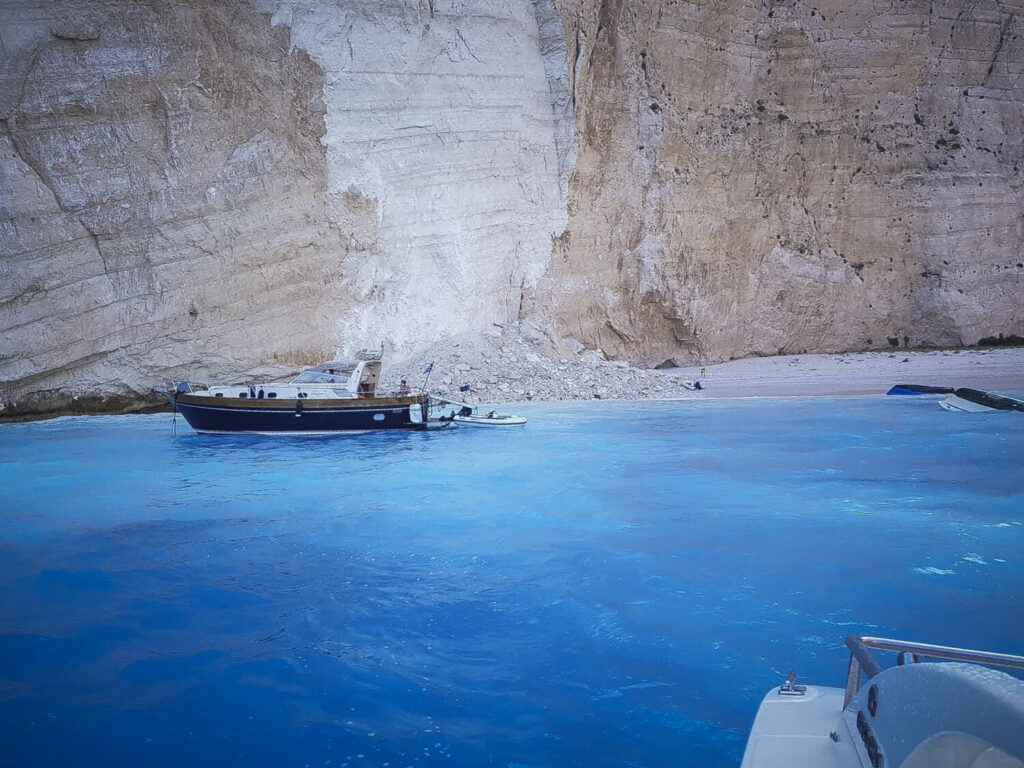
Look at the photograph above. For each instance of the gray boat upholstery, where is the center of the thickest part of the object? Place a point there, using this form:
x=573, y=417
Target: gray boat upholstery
x=958, y=750
x=954, y=715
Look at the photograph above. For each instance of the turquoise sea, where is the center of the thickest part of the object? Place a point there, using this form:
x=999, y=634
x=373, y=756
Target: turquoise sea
x=614, y=584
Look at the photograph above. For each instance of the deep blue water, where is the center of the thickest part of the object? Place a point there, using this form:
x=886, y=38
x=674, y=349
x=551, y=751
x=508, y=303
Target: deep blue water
x=614, y=584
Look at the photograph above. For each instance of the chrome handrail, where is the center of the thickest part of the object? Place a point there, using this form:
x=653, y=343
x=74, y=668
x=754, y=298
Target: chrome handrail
x=861, y=660
x=945, y=652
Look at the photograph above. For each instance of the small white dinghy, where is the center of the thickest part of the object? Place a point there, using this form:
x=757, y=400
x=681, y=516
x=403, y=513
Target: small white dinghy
x=466, y=413
x=490, y=419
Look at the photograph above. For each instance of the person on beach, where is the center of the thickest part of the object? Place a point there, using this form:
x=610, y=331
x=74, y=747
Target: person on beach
x=403, y=388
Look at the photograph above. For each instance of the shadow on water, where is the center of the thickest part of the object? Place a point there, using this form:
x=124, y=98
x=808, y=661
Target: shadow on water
x=381, y=443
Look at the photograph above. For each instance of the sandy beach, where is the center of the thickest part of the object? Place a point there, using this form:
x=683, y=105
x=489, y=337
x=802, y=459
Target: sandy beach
x=513, y=365
x=862, y=373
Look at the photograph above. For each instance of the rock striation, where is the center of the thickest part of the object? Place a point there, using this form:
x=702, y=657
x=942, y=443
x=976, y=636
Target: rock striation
x=768, y=177
x=198, y=188
x=210, y=189
x=162, y=199
x=443, y=153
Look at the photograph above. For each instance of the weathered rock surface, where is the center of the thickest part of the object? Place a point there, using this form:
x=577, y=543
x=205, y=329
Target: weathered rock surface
x=770, y=177
x=444, y=153
x=520, y=361
x=198, y=188
x=513, y=364
x=162, y=199
x=202, y=189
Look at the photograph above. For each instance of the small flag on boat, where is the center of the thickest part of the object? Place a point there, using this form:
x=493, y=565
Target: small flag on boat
x=429, y=368
x=464, y=388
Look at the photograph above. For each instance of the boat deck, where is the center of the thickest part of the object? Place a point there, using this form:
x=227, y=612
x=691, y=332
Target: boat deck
x=794, y=731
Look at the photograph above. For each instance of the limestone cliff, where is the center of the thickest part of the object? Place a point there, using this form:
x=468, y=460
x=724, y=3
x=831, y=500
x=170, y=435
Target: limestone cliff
x=443, y=141
x=200, y=188
x=163, y=190
x=769, y=177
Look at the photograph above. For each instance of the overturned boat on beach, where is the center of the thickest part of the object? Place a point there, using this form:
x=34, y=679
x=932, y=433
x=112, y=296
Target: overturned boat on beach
x=336, y=396
x=979, y=401
x=918, y=389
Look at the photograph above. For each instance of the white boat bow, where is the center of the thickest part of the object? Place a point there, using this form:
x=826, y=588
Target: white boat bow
x=913, y=715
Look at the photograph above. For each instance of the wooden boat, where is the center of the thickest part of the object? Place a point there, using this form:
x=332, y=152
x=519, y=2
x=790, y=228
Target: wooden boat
x=336, y=396
x=979, y=401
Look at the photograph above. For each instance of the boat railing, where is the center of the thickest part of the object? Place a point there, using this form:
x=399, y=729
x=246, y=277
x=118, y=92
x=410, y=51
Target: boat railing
x=399, y=393
x=172, y=385
x=442, y=402
x=191, y=385
x=863, y=663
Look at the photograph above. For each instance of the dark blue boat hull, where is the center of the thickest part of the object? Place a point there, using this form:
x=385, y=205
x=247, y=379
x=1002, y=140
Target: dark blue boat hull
x=288, y=417
x=918, y=389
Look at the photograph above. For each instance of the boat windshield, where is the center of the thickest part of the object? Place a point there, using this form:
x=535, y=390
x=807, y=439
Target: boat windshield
x=319, y=377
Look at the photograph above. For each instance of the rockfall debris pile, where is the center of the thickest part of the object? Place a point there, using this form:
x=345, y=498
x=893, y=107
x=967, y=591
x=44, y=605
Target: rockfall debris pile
x=516, y=363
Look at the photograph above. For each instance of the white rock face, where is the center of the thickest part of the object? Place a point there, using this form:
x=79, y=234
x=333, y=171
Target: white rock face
x=162, y=197
x=444, y=150
x=201, y=187
x=205, y=187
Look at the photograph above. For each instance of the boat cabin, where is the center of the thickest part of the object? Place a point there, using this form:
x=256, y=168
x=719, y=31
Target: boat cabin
x=337, y=379
x=358, y=376
x=336, y=396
